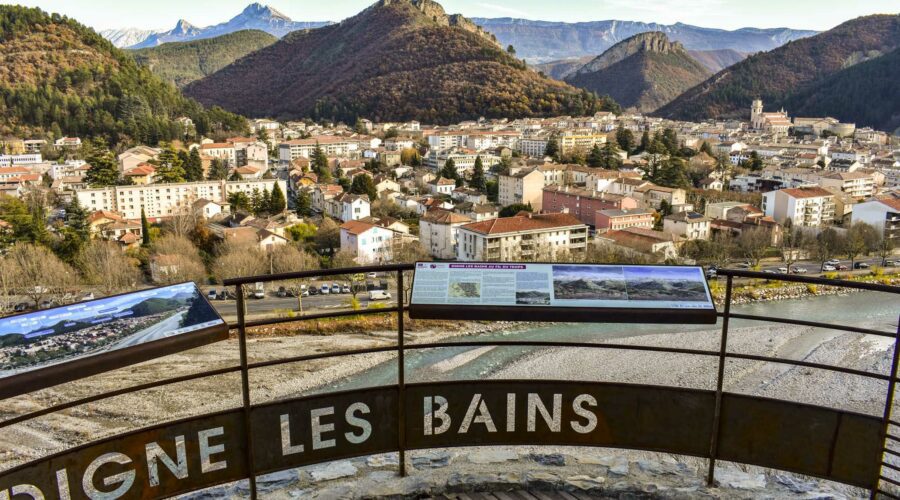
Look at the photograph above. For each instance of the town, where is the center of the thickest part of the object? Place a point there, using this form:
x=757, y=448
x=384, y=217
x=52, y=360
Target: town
x=798, y=194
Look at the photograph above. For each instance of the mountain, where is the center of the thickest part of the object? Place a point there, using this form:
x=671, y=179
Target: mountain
x=542, y=41
x=561, y=69
x=183, y=62
x=58, y=77
x=127, y=37
x=849, y=94
x=796, y=68
x=717, y=60
x=643, y=72
x=254, y=17
x=396, y=60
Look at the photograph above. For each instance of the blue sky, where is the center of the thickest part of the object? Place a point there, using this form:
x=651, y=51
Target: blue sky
x=726, y=14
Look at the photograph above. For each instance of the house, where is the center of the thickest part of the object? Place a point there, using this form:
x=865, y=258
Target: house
x=367, y=243
x=126, y=233
x=142, y=174
x=712, y=184
x=522, y=237
x=807, y=207
x=395, y=225
x=856, y=184
x=883, y=213
x=100, y=218
x=268, y=240
x=383, y=183
x=653, y=196
x=322, y=194
x=646, y=241
x=224, y=151
x=689, y=225
x=209, y=209
x=249, y=172
x=347, y=207
x=438, y=232
x=67, y=143
x=465, y=194
x=442, y=186
x=478, y=212
x=133, y=157
x=523, y=187
x=583, y=203
x=615, y=220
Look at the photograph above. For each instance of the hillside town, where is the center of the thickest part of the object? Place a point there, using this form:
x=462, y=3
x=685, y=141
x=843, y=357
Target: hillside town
x=574, y=189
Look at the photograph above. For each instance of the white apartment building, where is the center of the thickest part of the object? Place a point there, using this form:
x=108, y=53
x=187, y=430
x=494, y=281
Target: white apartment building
x=347, y=207
x=442, y=141
x=221, y=150
x=807, y=207
x=166, y=200
x=856, y=184
x=688, y=225
x=438, y=232
x=522, y=187
x=534, y=147
x=368, y=243
x=304, y=148
x=463, y=159
x=583, y=141
x=882, y=213
x=16, y=160
x=526, y=237
x=482, y=140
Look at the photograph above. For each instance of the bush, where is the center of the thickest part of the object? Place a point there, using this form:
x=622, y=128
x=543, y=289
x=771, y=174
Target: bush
x=831, y=276
x=813, y=289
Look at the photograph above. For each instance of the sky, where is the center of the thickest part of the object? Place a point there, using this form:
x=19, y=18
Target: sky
x=725, y=14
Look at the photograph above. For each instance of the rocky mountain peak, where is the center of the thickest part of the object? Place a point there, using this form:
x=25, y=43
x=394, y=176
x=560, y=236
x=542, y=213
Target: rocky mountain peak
x=259, y=11
x=651, y=41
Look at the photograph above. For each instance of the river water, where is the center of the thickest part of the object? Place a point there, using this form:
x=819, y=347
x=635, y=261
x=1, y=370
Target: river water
x=874, y=310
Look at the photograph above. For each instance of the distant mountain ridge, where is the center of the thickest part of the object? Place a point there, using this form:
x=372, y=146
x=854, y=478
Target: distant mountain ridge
x=396, y=60
x=713, y=60
x=543, y=41
x=804, y=67
x=255, y=16
x=643, y=72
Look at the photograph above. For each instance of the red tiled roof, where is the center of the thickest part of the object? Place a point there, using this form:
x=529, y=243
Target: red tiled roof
x=810, y=192
x=523, y=223
x=356, y=227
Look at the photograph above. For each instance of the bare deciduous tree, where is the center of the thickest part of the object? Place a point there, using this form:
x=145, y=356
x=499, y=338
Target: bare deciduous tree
x=180, y=259
x=236, y=258
x=753, y=244
x=39, y=273
x=105, y=265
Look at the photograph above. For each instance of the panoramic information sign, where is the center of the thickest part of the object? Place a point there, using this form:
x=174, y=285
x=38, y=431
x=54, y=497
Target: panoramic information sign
x=52, y=346
x=562, y=292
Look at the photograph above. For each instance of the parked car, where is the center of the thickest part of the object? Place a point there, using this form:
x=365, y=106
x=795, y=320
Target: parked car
x=87, y=296
x=224, y=295
x=211, y=295
x=828, y=268
x=21, y=307
x=841, y=267
x=325, y=290
x=345, y=289
x=258, y=294
x=379, y=295
x=372, y=275
x=890, y=263
x=711, y=272
x=282, y=292
x=799, y=270
x=313, y=290
x=832, y=262
x=861, y=265
x=335, y=288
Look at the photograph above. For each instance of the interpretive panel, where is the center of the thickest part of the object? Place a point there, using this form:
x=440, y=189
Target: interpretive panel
x=48, y=347
x=562, y=292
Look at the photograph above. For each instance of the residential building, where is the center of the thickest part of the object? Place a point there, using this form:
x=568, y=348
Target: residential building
x=883, y=213
x=347, y=207
x=330, y=145
x=689, y=225
x=442, y=186
x=808, y=207
x=438, y=232
x=656, y=243
x=856, y=184
x=368, y=243
x=165, y=200
x=67, y=143
x=583, y=203
x=522, y=187
x=522, y=237
x=615, y=220
x=224, y=151
x=15, y=160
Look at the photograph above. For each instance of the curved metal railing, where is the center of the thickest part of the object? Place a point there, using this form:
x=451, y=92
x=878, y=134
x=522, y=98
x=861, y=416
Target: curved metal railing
x=722, y=354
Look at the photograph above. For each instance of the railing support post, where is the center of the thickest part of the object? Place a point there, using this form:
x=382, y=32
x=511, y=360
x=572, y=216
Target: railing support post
x=888, y=406
x=401, y=378
x=245, y=387
x=717, y=415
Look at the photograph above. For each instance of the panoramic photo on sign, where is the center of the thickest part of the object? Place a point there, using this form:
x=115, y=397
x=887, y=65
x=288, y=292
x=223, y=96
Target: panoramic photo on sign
x=80, y=332
x=569, y=286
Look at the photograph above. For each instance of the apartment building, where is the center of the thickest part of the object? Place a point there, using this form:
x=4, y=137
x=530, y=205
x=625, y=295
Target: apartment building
x=523, y=187
x=883, y=213
x=224, y=151
x=856, y=184
x=330, y=145
x=580, y=140
x=688, y=225
x=616, y=220
x=165, y=200
x=368, y=243
x=808, y=207
x=522, y=237
x=20, y=159
x=438, y=232
x=583, y=204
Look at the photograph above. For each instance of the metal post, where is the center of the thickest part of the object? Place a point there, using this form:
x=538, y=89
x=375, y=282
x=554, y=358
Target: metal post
x=888, y=406
x=401, y=378
x=245, y=388
x=717, y=415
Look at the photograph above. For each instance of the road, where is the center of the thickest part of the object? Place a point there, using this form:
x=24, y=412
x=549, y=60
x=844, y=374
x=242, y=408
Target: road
x=158, y=331
x=311, y=304
x=814, y=267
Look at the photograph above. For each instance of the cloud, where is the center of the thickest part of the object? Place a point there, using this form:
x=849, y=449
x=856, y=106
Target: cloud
x=502, y=9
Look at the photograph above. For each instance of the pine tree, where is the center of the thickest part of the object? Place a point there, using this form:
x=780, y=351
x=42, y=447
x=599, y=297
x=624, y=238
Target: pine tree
x=552, y=149
x=168, y=166
x=363, y=184
x=449, y=171
x=77, y=219
x=193, y=166
x=645, y=141
x=218, y=171
x=477, y=180
x=320, y=164
x=595, y=159
x=303, y=203
x=145, y=229
x=103, y=170
x=277, y=202
x=625, y=139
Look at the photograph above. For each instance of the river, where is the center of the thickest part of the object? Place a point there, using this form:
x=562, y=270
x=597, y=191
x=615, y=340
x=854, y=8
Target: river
x=873, y=310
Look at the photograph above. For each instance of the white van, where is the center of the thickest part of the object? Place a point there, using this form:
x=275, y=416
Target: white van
x=379, y=295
